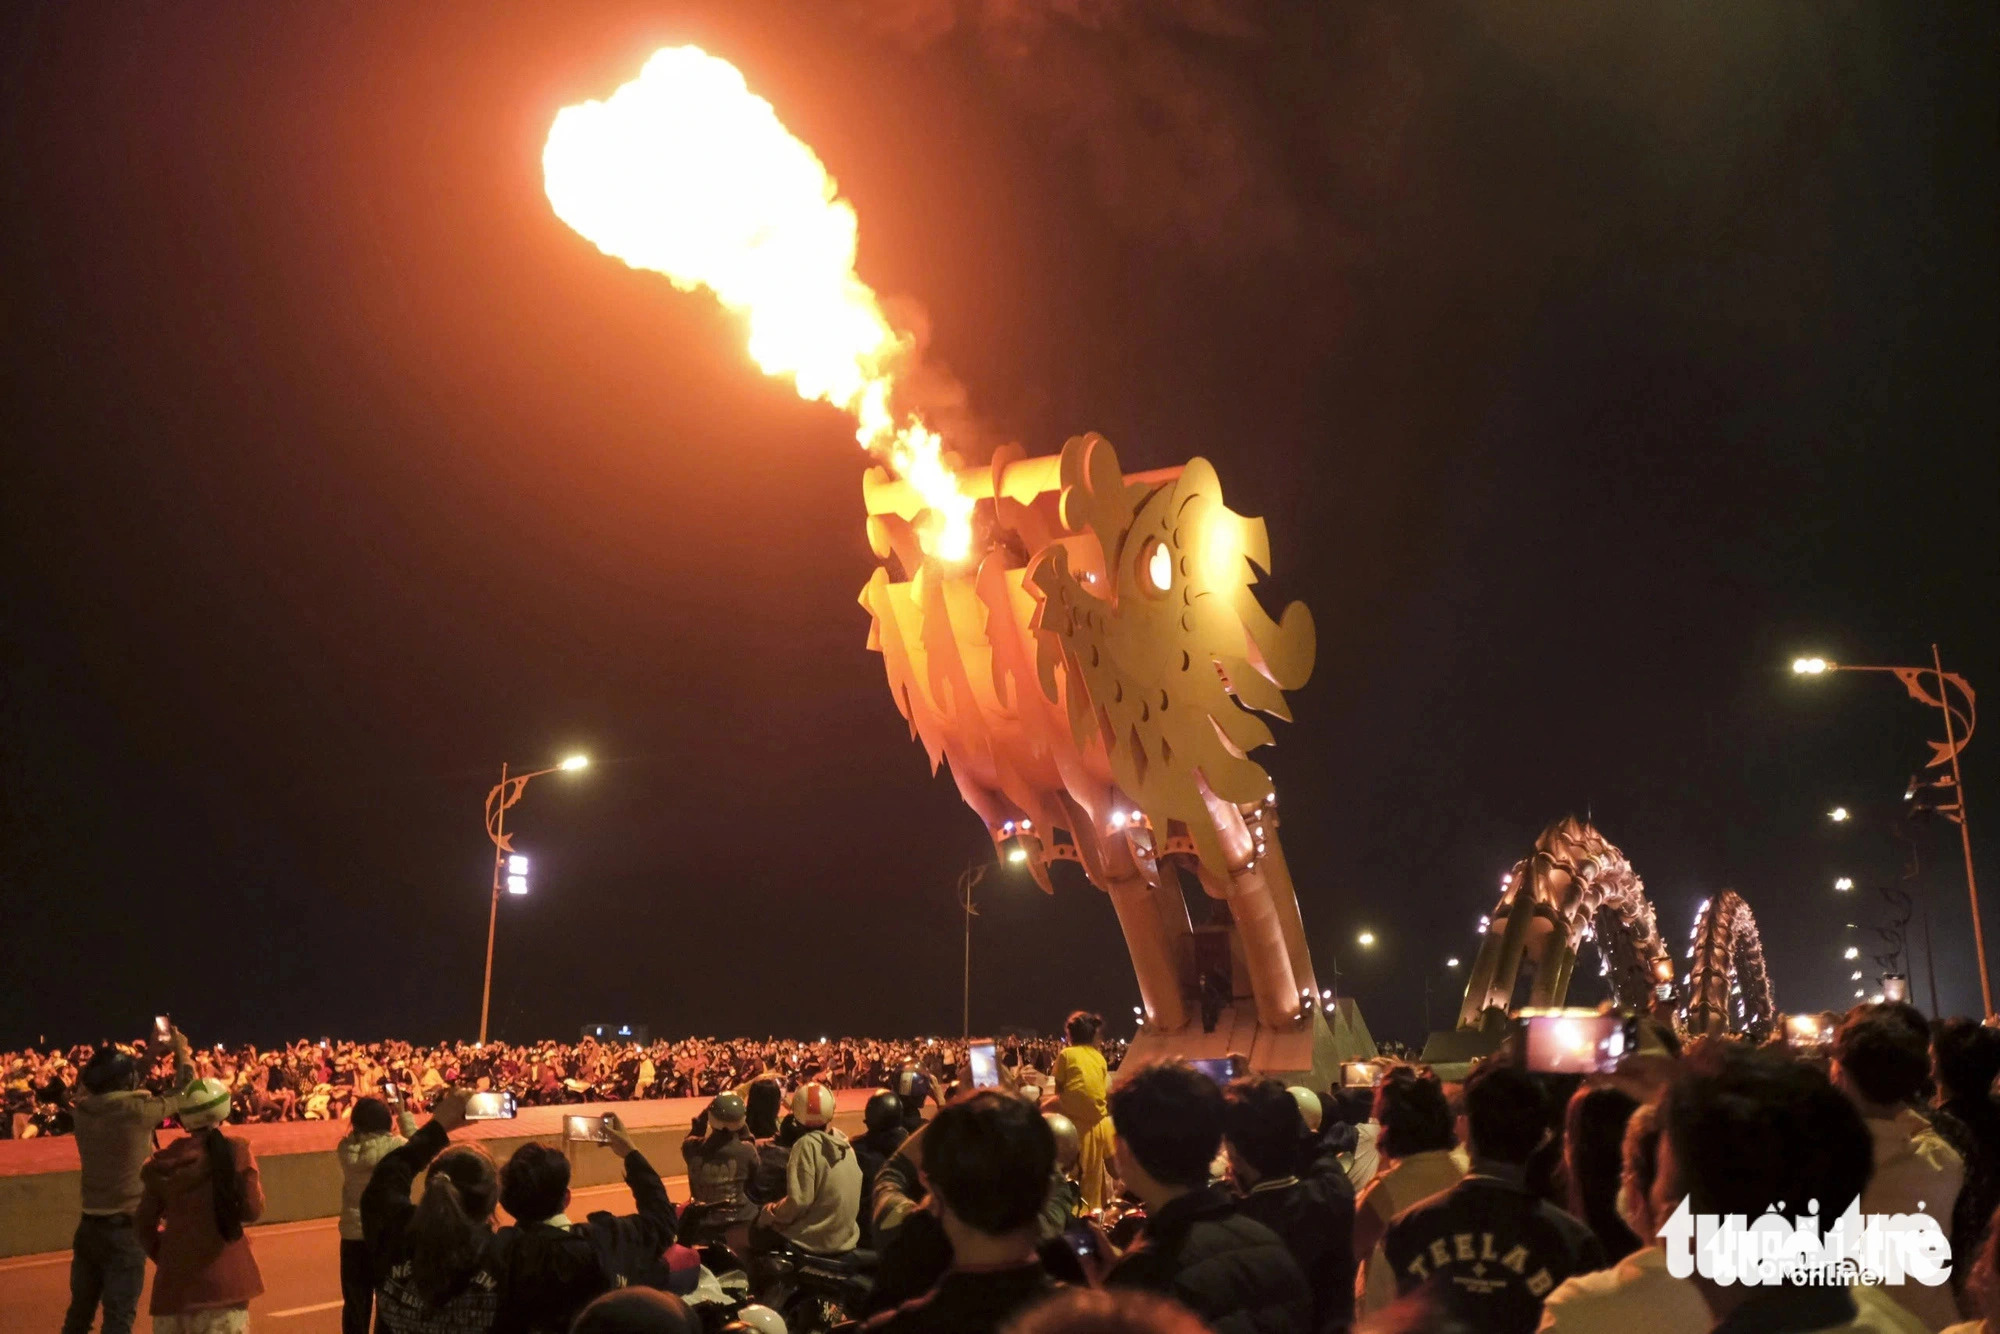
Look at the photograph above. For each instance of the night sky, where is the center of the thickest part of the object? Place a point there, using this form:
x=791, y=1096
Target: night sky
x=1587, y=364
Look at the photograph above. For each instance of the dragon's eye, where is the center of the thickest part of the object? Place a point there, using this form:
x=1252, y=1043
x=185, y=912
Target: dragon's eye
x=1160, y=567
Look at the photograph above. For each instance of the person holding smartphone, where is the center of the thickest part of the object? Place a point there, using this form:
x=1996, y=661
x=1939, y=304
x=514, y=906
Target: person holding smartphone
x=441, y=1267
x=371, y=1137
x=115, y=1120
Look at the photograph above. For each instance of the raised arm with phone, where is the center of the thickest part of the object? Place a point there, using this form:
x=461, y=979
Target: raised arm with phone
x=115, y=1120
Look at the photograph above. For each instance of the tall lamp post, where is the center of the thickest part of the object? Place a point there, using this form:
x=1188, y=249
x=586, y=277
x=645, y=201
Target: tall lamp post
x=1958, y=725
x=968, y=880
x=504, y=794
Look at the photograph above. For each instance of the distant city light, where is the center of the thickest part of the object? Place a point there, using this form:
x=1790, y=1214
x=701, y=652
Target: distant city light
x=1852, y=953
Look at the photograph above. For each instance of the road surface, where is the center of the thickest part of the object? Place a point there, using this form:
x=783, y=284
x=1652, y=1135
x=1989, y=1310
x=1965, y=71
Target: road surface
x=300, y=1264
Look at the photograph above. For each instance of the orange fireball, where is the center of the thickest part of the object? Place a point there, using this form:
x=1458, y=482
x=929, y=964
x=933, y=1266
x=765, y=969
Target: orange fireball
x=686, y=172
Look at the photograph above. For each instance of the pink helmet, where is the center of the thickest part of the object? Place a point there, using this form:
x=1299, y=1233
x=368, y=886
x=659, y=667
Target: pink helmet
x=813, y=1105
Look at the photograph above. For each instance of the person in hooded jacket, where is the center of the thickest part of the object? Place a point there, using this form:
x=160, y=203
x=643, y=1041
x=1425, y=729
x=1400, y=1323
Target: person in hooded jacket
x=370, y=1138
x=821, y=1206
x=198, y=1193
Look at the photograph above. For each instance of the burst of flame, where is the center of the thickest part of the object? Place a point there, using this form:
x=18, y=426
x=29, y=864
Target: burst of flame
x=686, y=172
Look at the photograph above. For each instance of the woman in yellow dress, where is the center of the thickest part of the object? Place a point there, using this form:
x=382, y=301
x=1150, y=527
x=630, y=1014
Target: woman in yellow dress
x=1082, y=1080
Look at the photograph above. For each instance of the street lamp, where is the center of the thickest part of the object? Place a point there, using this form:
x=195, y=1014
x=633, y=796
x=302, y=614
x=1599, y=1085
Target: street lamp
x=1450, y=966
x=1852, y=953
x=1839, y=815
x=1958, y=724
x=1365, y=940
x=1844, y=883
x=968, y=880
x=515, y=866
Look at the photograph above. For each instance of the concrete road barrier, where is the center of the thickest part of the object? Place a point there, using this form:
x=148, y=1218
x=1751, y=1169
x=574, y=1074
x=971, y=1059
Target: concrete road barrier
x=38, y=1177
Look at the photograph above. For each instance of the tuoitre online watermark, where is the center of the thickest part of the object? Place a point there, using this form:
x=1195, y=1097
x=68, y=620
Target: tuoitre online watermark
x=1877, y=1249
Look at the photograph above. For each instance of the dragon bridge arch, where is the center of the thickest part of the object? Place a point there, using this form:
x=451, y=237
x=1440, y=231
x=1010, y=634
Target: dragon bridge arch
x=1728, y=987
x=1575, y=887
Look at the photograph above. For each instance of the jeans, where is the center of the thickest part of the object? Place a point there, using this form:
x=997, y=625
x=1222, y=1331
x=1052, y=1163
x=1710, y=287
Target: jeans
x=357, y=1288
x=109, y=1267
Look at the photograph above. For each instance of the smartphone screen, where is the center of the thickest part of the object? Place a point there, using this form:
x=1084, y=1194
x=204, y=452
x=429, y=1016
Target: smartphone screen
x=587, y=1129
x=491, y=1107
x=163, y=1028
x=1895, y=988
x=1580, y=1044
x=1360, y=1074
x=391, y=1094
x=1216, y=1068
x=1805, y=1030
x=985, y=1065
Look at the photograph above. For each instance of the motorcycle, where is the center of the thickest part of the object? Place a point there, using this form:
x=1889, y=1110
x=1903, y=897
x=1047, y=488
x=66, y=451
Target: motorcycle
x=814, y=1293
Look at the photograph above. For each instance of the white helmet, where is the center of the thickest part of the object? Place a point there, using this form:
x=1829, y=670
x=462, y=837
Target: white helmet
x=1069, y=1145
x=813, y=1105
x=1309, y=1107
x=762, y=1319
x=205, y=1104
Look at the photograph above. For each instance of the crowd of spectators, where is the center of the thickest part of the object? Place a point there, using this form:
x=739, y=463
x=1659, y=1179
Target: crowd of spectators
x=319, y=1080
x=1495, y=1198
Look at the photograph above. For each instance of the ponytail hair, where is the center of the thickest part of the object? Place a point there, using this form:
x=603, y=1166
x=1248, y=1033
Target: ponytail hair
x=225, y=1181
x=453, y=1220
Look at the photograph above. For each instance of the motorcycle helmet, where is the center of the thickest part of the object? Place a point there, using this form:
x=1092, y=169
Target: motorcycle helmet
x=913, y=1086
x=1309, y=1107
x=813, y=1106
x=726, y=1111
x=1069, y=1144
x=205, y=1104
x=884, y=1111
x=760, y=1319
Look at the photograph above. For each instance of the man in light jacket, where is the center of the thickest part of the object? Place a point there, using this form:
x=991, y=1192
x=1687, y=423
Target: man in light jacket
x=821, y=1207
x=369, y=1139
x=115, y=1121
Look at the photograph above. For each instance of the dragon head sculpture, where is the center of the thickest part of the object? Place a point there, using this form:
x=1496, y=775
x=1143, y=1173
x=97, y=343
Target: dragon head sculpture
x=1146, y=615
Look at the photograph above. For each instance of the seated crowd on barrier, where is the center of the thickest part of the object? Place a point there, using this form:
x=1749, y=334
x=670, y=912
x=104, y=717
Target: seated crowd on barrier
x=320, y=1080
x=1508, y=1201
